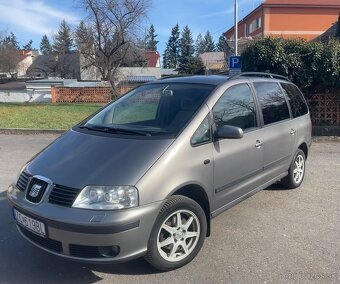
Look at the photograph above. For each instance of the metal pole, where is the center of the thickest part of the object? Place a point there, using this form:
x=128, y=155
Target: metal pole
x=253, y=4
x=236, y=27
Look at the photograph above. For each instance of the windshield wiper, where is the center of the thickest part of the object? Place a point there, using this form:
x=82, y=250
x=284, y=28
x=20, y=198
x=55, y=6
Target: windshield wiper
x=115, y=130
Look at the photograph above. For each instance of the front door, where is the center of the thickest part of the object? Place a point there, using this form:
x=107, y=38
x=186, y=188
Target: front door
x=236, y=162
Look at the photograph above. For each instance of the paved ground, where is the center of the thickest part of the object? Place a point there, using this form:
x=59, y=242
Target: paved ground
x=276, y=236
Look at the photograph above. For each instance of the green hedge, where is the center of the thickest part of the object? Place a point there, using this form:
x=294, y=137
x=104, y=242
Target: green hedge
x=314, y=66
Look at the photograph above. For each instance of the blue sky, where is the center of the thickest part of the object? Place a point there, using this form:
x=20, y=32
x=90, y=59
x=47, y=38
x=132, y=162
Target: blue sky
x=30, y=19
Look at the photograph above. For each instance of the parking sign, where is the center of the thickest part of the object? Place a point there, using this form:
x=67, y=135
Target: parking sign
x=235, y=64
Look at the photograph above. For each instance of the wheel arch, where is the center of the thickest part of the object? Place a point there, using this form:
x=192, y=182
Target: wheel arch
x=199, y=195
x=303, y=146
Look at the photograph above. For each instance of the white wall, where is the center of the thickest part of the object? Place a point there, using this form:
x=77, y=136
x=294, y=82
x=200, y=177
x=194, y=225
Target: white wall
x=14, y=96
x=21, y=96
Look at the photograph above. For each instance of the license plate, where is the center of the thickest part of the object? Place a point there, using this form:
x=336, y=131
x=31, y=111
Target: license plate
x=33, y=225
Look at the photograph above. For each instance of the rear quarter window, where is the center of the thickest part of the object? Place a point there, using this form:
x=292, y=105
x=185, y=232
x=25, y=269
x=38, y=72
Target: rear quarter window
x=273, y=103
x=297, y=102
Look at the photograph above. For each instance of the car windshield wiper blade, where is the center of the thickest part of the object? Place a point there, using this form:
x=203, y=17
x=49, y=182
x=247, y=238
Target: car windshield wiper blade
x=115, y=130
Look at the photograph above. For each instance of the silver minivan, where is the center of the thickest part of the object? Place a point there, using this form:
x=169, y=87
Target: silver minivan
x=145, y=175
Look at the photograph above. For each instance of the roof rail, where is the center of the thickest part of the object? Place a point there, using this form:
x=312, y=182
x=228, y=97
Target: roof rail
x=259, y=74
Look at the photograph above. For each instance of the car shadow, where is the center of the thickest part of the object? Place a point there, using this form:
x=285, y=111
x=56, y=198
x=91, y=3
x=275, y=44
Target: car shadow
x=276, y=187
x=22, y=262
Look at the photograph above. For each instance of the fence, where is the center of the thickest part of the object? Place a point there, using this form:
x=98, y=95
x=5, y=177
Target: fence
x=325, y=109
x=81, y=95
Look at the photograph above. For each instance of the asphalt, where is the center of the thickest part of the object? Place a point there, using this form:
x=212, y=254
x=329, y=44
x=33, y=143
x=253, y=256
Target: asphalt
x=276, y=236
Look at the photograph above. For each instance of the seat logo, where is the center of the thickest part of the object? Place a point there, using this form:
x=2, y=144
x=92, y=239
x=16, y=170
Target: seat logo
x=35, y=190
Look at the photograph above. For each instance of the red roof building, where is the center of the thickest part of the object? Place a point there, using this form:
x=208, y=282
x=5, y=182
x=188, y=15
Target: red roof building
x=305, y=19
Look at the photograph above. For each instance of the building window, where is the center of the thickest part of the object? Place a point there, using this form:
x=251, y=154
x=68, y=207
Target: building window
x=259, y=23
x=254, y=25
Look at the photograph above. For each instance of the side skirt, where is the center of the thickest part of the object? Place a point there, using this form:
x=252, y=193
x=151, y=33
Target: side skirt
x=247, y=195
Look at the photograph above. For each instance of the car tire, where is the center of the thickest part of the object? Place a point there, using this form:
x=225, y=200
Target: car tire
x=296, y=172
x=173, y=244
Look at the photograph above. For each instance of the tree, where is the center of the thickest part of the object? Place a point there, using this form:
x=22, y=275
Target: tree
x=171, y=54
x=196, y=66
x=186, y=51
x=204, y=44
x=151, y=42
x=337, y=35
x=114, y=26
x=9, y=58
x=209, y=42
x=11, y=40
x=64, y=54
x=45, y=46
x=222, y=45
x=28, y=46
x=199, y=45
x=63, y=42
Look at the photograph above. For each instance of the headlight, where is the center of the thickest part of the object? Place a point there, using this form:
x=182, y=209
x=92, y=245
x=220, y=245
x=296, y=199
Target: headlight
x=107, y=197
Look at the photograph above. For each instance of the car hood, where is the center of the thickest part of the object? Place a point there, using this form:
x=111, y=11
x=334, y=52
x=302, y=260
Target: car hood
x=78, y=159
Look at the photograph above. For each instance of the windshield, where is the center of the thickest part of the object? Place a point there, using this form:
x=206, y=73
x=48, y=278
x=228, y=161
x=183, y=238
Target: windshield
x=153, y=109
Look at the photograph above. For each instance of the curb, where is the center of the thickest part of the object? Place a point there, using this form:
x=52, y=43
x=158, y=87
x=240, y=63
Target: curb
x=320, y=139
x=29, y=131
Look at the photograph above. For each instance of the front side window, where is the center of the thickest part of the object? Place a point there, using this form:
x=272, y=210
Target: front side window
x=273, y=102
x=153, y=109
x=236, y=107
x=202, y=134
x=296, y=100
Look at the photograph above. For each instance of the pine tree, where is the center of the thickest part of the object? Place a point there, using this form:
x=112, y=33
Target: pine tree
x=63, y=42
x=45, y=46
x=28, y=46
x=166, y=62
x=337, y=35
x=222, y=44
x=11, y=41
x=209, y=42
x=199, y=45
x=196, y=66
x=151, y=42
x=83, y=37
x=186, y=51
x=170, y=56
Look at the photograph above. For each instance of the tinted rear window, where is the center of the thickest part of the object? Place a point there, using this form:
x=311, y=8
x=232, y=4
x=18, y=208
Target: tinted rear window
x=273, y=102
x=296, y=100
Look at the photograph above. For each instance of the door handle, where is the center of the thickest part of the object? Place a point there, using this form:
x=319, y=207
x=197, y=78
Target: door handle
x=258, y=144
x=292, y=131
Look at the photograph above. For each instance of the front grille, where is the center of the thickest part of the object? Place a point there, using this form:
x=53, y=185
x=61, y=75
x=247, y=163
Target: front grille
x=23, y=181
x=84, y=251
x=63, y=195
x=49, y=244
x=36, y=190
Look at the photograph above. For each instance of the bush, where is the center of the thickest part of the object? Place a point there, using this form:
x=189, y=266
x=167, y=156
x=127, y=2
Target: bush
x=314, y=66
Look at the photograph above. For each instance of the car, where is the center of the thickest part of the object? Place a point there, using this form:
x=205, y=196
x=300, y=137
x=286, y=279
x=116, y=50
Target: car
x=145, y=174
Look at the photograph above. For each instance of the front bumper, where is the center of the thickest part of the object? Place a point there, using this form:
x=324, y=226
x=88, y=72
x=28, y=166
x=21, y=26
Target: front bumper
x=78, y=233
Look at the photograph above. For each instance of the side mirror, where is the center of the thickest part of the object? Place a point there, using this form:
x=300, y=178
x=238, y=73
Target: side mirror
x=230, y=132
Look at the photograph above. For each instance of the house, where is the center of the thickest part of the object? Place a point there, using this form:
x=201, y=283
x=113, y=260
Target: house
x=214, y=62
x=25, y=60
x=305, y=19
x=131, y=82
x=153, y=59
x=329, y=34
x=15, y=63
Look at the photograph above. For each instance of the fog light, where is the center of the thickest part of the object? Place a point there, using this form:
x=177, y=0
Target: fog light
x=109, y=251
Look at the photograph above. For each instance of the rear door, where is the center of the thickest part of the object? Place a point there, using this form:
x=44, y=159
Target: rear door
x=236, y=162
x=278, y=132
